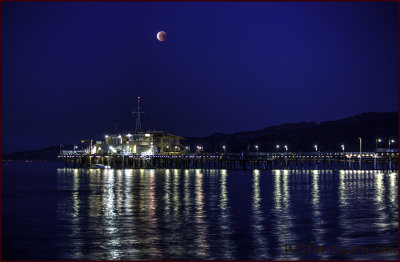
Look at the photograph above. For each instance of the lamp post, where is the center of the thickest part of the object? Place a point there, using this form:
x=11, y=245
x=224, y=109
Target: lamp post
x=75, y=147
x=224, y=148
x=343, y=148
x=257, y=148
x=277, y=148
x=391, y=141
x=378, y=140
x=316, y=148
x=286, y=148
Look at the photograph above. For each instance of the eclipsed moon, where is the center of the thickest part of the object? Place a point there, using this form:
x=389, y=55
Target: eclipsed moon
x=161, y=36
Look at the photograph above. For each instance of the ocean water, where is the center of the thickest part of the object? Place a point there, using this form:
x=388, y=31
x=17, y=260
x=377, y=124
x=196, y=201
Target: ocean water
x=50, y=212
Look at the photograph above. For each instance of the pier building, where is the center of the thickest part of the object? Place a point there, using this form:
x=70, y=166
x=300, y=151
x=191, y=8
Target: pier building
x=142, y=143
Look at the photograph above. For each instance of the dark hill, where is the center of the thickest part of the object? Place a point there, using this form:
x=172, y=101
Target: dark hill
x=45, y=154
x=303, y=136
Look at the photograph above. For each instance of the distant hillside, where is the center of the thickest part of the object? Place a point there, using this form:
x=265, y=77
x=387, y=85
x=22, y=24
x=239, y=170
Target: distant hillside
x=45, y=154
x=303, y=136
x=300, y=137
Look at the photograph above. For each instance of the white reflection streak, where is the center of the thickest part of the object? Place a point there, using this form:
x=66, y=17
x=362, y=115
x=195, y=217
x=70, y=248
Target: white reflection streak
x=261, y=251
x=111, y=235
x=75, y=196
x=342, y=190
x=118, y=191
x=225, y=228
x=318, y=226
x=277, y=190
x=127, y=191
x=129, y=213
x=379, y=190
x=202, y=250
x=94, y=199
x=175, y=196
x=393, y=188
x=282, y=221
x=186, y=194
x=76, y=228
x=167, y=197
x=154, y=235
x=380, y=202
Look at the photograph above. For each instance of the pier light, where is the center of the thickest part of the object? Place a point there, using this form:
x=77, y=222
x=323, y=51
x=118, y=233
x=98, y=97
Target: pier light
x=391, y=141
x=377, y=141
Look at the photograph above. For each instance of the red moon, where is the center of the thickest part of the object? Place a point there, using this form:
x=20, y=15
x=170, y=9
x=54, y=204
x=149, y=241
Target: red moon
x=161, y=36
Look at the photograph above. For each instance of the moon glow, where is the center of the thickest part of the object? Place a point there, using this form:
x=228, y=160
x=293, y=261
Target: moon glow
x=161, y=36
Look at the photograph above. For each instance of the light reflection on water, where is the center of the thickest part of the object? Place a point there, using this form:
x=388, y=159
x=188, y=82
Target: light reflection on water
x=188, y=214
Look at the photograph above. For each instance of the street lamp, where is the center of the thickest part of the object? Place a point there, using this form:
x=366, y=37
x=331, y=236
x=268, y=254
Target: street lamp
x=343, y=148
x=286, y=148
x=199, y=148
x=75, y=147
x=224, y=147
x=391, y=141
x=378, y=140
x=257, y=148
x=316, y=148
x=277, y=147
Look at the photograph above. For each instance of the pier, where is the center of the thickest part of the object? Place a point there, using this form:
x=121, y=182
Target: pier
x=267, y=161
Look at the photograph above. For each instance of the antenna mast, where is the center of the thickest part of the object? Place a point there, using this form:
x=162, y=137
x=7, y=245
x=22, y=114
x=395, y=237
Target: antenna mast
x=138, y=112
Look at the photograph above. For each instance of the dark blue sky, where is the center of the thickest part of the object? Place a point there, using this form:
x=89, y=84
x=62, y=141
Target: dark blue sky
x=70, y=70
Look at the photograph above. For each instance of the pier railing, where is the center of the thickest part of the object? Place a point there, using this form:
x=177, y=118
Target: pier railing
x=275, y=160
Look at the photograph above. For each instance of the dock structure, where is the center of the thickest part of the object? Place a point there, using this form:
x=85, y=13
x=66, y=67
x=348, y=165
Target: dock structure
x=266, y=161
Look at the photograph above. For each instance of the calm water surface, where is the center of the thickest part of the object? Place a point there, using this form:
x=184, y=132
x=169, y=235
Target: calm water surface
x=54, y=213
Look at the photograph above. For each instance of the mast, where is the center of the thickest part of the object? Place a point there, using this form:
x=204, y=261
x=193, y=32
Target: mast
x=137, y=111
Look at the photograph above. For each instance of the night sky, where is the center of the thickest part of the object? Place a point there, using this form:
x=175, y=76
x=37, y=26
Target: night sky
x=71, y=70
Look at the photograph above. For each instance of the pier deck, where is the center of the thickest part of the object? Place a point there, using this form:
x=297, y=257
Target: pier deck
x=267, y=161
